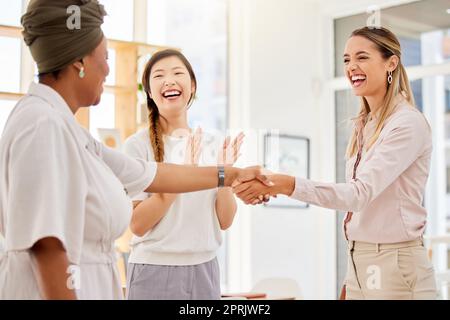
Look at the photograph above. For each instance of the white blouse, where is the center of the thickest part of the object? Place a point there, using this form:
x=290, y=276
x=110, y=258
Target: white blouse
x=57, y=181
x=189, y=233
x=386, y=196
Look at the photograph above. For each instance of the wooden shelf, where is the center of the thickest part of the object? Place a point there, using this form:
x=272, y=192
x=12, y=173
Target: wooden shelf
x=10, y=31
x=120, y=89
x=10, y=96
x=142, y=48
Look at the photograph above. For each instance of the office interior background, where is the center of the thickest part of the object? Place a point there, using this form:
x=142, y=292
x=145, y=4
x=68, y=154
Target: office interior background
x=265, y=65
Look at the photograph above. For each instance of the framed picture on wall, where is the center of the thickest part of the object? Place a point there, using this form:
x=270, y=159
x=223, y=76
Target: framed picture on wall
x=286, y=154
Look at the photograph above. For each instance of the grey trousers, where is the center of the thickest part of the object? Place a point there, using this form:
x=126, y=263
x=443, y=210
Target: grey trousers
x=155, y=282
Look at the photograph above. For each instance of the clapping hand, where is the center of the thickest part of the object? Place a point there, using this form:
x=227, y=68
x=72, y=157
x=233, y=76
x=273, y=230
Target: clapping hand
x=229, y=153
x=193, y=148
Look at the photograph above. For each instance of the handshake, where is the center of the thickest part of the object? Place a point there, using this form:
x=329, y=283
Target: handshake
x=255, y=185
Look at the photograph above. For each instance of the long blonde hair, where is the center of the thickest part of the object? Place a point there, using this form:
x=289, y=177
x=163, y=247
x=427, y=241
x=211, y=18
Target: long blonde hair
x=388, y=45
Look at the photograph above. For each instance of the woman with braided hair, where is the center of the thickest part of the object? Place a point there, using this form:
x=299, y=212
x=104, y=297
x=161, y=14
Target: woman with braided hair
x=176, y=235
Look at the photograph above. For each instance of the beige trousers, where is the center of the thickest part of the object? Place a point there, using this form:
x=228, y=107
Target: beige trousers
x=395, y=271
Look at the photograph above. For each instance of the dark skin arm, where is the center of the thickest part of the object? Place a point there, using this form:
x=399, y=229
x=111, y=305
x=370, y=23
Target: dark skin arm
x=52, y=265
x=171, y=178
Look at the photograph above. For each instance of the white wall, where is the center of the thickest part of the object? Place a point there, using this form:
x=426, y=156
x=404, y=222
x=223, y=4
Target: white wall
x=276, y=65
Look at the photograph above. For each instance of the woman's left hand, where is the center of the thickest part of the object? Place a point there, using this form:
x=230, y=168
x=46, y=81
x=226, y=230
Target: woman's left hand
x=229, y=153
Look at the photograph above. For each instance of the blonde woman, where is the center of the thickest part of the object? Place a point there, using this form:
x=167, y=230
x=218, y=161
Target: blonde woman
x=387, y=169
x=176, y=235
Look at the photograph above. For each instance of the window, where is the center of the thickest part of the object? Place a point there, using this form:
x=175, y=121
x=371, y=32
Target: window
x=416, y=87
x=6, y=107
x=10, y=64
x=447, y=94
x=111, y=79
x=10, y=58
x=118, y=24
x=346, y=107
x=10, y=12
x=414, y=24
x=199, y=29
x=102, y=115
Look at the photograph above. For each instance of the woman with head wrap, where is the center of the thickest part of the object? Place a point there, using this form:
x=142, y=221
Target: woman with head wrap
x=64, y=196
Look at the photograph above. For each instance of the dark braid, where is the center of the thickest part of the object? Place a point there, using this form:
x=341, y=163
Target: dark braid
x=155, y=131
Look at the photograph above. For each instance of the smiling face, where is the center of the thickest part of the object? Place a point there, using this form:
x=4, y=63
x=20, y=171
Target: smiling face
x=365, y=67
x=171, y=86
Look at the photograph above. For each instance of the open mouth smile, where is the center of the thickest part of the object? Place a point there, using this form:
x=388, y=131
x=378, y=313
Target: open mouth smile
x=358, y=80
x=171, y=94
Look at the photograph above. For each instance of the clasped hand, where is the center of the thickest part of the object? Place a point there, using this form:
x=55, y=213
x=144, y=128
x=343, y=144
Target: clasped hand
x=255, y=189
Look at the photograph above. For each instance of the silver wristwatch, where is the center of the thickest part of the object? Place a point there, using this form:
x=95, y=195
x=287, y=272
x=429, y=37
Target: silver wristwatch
x=221, y=174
